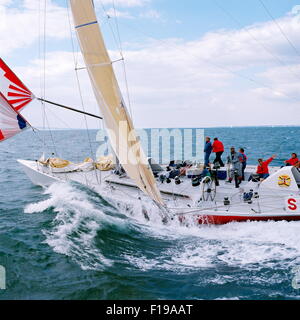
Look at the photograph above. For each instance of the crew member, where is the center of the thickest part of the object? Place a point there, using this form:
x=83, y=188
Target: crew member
x=243, y=160
x=207, y=150
x=293, y=161
x=263, y=168
x=218, y=149
x=236, y=165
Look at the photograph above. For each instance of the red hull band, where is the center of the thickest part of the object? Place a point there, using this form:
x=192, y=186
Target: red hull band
x=219, y=220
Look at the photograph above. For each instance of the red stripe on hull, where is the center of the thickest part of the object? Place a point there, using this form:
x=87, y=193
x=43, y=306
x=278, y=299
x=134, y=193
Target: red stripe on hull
x=219, y=220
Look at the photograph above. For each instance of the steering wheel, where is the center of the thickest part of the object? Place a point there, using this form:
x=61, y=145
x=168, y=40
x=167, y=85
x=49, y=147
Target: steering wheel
x=208, y=189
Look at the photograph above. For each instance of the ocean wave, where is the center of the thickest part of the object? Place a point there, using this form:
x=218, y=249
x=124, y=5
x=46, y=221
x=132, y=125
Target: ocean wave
x=248, y=246
x=77, y=222
x=81, y=216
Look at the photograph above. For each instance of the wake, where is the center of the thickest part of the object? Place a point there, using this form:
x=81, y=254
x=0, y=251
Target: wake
x=96, y=232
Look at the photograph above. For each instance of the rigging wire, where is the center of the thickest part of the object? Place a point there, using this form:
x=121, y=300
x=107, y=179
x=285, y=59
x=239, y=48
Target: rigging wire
x=77, y=80
x=118, y=42
x=238, y=23
x=240, y=75
x=93, y=155
x=53, y=114
x=123, y=60
x=44, y=66
x=42, y=24
x=45, y=118
x=279, y=27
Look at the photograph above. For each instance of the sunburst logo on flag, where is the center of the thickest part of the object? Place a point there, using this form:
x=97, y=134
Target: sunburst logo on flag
x=13, y=89
x=284, y=181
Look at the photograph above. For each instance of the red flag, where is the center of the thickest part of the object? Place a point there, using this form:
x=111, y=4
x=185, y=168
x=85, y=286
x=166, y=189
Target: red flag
x=11, y=122
x=12, y=88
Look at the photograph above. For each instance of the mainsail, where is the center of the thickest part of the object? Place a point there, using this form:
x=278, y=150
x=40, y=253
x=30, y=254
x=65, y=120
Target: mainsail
x=117, y=120
x=13, y=89
x=11, y=122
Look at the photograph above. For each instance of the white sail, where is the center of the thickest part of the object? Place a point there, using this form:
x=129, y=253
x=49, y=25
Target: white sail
x=11, y=122
x=117, y=120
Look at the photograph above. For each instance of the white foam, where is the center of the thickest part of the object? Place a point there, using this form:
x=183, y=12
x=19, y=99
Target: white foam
x=251, y=246
x=75, y=226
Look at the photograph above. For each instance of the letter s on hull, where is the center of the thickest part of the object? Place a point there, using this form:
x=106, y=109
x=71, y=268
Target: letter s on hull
x=292, y=204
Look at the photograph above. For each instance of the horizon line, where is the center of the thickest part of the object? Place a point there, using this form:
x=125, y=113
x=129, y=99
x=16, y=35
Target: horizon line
x=169, y=128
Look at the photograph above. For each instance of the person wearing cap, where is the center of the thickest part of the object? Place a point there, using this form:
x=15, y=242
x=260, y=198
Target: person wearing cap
x=218, y=149
x=236, y=165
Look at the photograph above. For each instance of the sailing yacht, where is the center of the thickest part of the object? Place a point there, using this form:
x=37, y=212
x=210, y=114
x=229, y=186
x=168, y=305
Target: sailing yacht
x=196, y=198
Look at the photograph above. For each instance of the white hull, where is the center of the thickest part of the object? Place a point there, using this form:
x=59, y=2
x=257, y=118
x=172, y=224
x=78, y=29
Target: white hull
x=176, y=197
x=37, y=177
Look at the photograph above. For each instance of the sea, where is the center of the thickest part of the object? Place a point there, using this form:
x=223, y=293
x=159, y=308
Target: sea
x=68, y=242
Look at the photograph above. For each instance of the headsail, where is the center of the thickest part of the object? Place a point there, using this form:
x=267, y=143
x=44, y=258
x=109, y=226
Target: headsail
x=13, y=89
x=11, y=122
x=117, y=120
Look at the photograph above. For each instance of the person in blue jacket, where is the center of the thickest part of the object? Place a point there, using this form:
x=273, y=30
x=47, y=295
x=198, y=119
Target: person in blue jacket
x=207, y=150
x=243, y=160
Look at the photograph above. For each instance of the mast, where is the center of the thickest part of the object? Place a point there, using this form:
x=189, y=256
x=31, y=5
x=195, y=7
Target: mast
x=108, y=95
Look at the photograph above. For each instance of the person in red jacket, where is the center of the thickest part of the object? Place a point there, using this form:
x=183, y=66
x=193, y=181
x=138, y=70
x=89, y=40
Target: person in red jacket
x=293, y=161
x=218, y=149
x=263, y=167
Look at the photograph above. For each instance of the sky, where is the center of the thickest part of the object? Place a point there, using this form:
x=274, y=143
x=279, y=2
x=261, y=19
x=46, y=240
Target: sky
x=189, y=63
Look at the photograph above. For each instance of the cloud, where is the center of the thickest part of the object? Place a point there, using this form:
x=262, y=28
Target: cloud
x=5, y=2
x=20, y=26
x=285, y=82
x=178, y=83
x=295, y=10
x=143, y=14
x=61, y=87
x=249, y=76
x=119, y=14
x=124, y=3
x=151, y=14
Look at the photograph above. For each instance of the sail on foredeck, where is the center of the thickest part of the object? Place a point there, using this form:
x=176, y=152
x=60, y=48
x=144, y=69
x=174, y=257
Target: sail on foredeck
x=11, y=122
x=117, y=120
x=14, y=96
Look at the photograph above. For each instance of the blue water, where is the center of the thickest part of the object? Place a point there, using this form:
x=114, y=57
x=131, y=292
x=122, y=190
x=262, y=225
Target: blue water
x=67, y=242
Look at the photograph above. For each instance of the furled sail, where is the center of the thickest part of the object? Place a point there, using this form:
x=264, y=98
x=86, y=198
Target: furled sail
x=117, y=120
x=13, y=89
x=11, y=122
